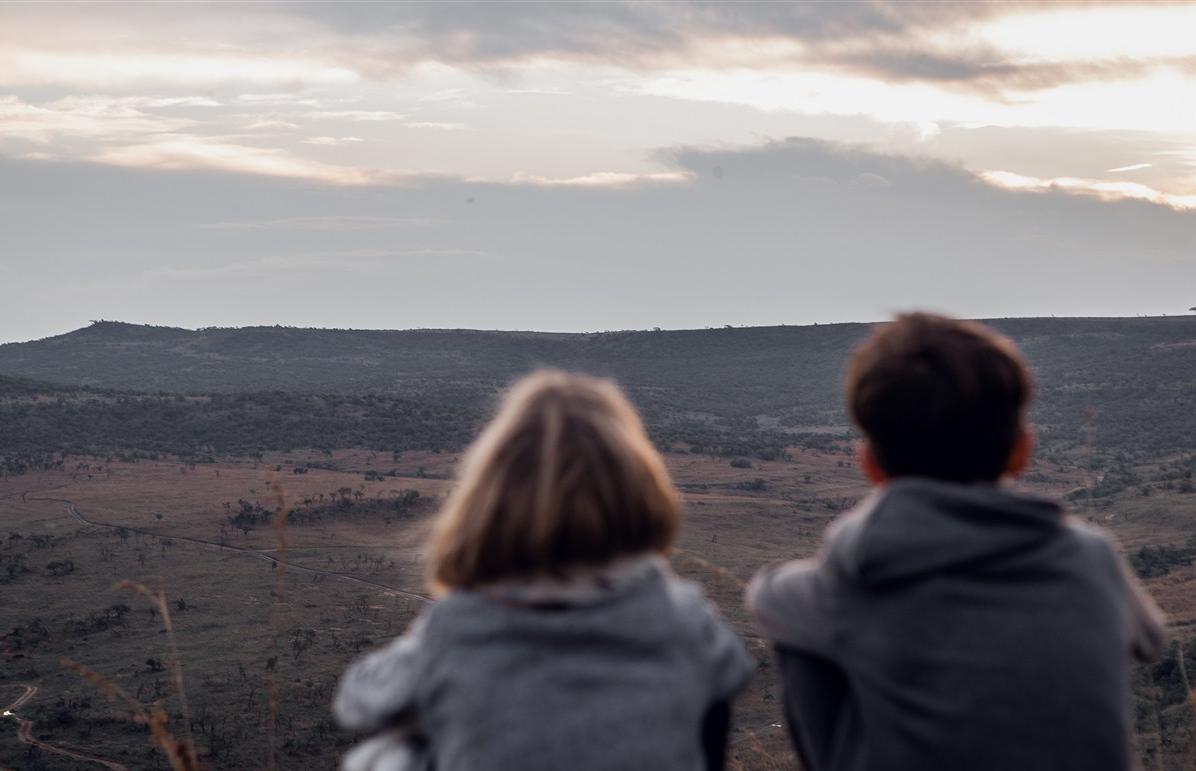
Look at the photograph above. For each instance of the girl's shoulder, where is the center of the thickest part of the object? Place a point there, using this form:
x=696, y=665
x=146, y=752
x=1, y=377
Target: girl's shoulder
x=718, y=649
x=630, y=577
x=641, y=600
x=641, y=585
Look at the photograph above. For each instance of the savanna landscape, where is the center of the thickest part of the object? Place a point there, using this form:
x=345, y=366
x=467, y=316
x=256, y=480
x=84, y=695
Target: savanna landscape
x=200, y=529
x=268, y=267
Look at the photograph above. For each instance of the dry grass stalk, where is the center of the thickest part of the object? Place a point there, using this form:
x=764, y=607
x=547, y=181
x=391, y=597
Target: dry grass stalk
x=279, y=523
x=180, y=753
x=176, y=662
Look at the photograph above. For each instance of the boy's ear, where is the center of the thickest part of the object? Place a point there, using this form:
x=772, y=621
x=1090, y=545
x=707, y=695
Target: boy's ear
x=867, y=460
x=1019, y=456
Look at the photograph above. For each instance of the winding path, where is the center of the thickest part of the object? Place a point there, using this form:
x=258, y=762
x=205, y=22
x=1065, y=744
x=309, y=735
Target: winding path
x=25, y=734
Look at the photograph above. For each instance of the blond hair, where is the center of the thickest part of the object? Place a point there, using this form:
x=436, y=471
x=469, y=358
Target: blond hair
x=563, y=477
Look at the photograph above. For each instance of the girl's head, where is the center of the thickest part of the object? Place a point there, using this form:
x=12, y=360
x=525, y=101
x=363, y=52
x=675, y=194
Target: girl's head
x=563, y=477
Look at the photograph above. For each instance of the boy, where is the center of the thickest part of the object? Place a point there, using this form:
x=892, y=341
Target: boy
x=950, y=623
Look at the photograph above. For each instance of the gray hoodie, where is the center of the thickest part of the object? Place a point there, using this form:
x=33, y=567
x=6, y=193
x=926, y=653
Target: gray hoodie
x=950, y=626
x=616, y=670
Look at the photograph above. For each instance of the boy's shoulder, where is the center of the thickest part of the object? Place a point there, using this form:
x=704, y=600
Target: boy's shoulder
x=921, y=527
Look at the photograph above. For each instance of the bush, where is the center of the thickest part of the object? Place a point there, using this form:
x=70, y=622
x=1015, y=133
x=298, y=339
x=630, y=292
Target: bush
x=1155, y=561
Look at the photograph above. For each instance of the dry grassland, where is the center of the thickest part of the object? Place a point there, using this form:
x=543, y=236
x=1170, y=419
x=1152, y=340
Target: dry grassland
x=266, y=620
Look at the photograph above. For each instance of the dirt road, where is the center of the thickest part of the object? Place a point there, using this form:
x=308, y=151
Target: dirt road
x=25, y=734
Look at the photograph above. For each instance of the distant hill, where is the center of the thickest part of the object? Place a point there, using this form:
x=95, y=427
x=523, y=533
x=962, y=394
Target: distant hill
x=719, y=362
x=40, y=422
x=1133, y=380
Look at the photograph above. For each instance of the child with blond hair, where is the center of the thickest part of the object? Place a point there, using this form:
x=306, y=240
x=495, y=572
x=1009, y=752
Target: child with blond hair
x=560, y=637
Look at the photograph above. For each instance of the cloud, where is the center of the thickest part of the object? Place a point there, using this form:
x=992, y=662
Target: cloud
x=1133, y=167
x=1146, y=104
x=746, y=237
x=331, y=141
x=1098, y=188
x=25, y=67
x=119, y=130
x=990, y=45
x=267, y=124
x=181, y=152
x=322, y=223
x=871, y=181
x=370, y=116
x=480, y=86
x=278, y=99
x=498, y=32
x=177, y=101
x=434, y=125
x=94, y=118
x=605, y=179
x=981, y=68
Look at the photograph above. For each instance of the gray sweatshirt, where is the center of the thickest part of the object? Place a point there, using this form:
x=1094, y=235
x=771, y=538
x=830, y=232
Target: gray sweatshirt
x=613, y=672
x=949, y=626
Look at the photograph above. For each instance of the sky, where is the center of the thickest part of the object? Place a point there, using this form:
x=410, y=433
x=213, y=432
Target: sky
x=591, y=166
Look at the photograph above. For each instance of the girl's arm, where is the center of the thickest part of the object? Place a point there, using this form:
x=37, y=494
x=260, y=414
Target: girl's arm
x=728, y=667
x=379, y=689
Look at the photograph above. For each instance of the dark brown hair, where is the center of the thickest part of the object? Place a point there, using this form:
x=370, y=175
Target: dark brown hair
x=939, y=397
x=563, y=477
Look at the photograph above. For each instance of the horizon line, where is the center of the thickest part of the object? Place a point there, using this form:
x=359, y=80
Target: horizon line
x=646, y=330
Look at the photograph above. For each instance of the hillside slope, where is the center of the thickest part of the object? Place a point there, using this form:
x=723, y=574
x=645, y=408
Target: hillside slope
x=1133, y=381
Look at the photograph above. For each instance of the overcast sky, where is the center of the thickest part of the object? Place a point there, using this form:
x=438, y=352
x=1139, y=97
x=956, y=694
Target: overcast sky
x=572, y=166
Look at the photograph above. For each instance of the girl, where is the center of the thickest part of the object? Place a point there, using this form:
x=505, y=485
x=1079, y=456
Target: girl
x=561, y=639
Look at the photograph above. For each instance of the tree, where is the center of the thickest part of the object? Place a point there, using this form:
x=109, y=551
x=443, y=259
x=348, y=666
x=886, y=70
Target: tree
x=301, y=640
x=59, y=569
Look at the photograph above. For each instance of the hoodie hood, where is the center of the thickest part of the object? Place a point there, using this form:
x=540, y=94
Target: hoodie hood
x=916, y=526
x=585, y=586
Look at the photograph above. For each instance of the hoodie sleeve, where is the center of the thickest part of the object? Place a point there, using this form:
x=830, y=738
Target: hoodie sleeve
x=721, y=655
x=1148, y=625
x=730, y=664
x=796, y=605
x=380, y=688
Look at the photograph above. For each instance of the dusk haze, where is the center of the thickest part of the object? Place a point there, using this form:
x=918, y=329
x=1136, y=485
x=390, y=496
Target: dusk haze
x=598, y=385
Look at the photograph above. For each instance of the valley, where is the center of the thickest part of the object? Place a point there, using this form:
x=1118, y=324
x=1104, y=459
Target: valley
x=247, y=508
x=267, y=615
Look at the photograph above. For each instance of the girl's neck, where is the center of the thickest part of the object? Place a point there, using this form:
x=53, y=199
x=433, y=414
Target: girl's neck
x=581, y=585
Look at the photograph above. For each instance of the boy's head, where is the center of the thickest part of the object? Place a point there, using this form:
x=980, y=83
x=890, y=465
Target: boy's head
x=941, y=398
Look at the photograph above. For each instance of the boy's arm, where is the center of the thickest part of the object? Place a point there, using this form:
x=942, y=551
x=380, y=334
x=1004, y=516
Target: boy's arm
x=794, y=604
x=816, y=706
x=379, y=688
x=1148, y=624
x=715, y=725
